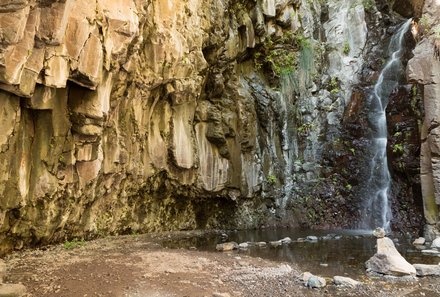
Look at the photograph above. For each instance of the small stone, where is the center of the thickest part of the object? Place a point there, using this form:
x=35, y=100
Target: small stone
x=216, y=294
x=275, y=243
x=379, y=232
x=286, y=240
x=316, y=282
x=227, y=246
x=243, y=246
x=261, y=244
x=12, y=290
x=323, y=264
x=343, y=281
x=426, y=270
x=436, y=243
x=312, y=238
x=431, y=252
x=305, y=276
x=419, y=241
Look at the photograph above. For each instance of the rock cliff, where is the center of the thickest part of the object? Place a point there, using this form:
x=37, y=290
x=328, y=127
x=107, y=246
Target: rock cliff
x=128, y=116
x=424, y=69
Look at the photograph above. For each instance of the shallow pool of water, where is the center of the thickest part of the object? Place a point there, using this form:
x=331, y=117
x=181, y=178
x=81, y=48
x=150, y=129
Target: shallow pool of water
x=345, y=255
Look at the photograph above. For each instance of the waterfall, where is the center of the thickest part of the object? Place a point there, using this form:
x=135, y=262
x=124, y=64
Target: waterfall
x=376, y=211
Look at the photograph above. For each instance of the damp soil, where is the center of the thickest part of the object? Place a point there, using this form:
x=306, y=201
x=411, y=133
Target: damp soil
x=186, y=264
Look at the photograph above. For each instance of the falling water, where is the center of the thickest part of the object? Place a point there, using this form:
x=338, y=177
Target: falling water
x=377, y=209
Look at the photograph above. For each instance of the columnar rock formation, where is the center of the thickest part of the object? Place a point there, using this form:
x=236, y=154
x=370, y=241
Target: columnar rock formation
x=135, y=115
x=129, y=115
x=424, y=68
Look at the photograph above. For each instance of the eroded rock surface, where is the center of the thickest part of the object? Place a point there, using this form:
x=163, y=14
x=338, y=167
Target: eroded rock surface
x=130, y=116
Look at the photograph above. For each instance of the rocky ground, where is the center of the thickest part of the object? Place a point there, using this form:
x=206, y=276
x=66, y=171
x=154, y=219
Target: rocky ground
x=138, y=266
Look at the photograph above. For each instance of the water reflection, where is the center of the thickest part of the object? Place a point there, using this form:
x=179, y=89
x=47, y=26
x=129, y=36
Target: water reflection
x=344, y=254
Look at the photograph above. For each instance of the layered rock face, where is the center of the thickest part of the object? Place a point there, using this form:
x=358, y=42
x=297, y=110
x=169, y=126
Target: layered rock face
x=121, y=116
x=424, y=69
x=127, y=116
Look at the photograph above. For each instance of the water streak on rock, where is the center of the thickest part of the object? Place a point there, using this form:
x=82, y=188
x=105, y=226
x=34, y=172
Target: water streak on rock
x=377, y=209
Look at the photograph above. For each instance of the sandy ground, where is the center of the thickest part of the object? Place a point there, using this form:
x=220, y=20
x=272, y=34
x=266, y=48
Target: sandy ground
x=138, y=266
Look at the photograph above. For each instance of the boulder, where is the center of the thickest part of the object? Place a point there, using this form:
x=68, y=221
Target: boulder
x=12, y=290
x=426, y=270
x=343, y=281
x=419, y=241
x=388, y=260
x=227, y=246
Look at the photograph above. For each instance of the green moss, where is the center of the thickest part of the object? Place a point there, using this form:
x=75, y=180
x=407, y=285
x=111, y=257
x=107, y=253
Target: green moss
x=271, y=179
x=398, y=148
x=68, y=245
x=346, y=49
x=368, y=5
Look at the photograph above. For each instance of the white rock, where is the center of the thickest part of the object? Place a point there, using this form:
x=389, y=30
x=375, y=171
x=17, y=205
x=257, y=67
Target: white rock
x=275, y=243
x=388, y=260
x=312, y=238
x=419, y=241
x=436, y=243
x=431, y=252
x=343, y=281
x=243, y=245
x=286, y=240
x=425, y=270
x=216, y=294
x=261, y=244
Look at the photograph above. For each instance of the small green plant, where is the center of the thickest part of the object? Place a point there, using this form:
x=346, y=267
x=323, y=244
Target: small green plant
x=68, y=245
x=353, y=151
x=348, y=187
x=368, y=5
x=271, y=179
x=397, y=134
x=398, y=148
x=333, y=85
x=346, y=48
